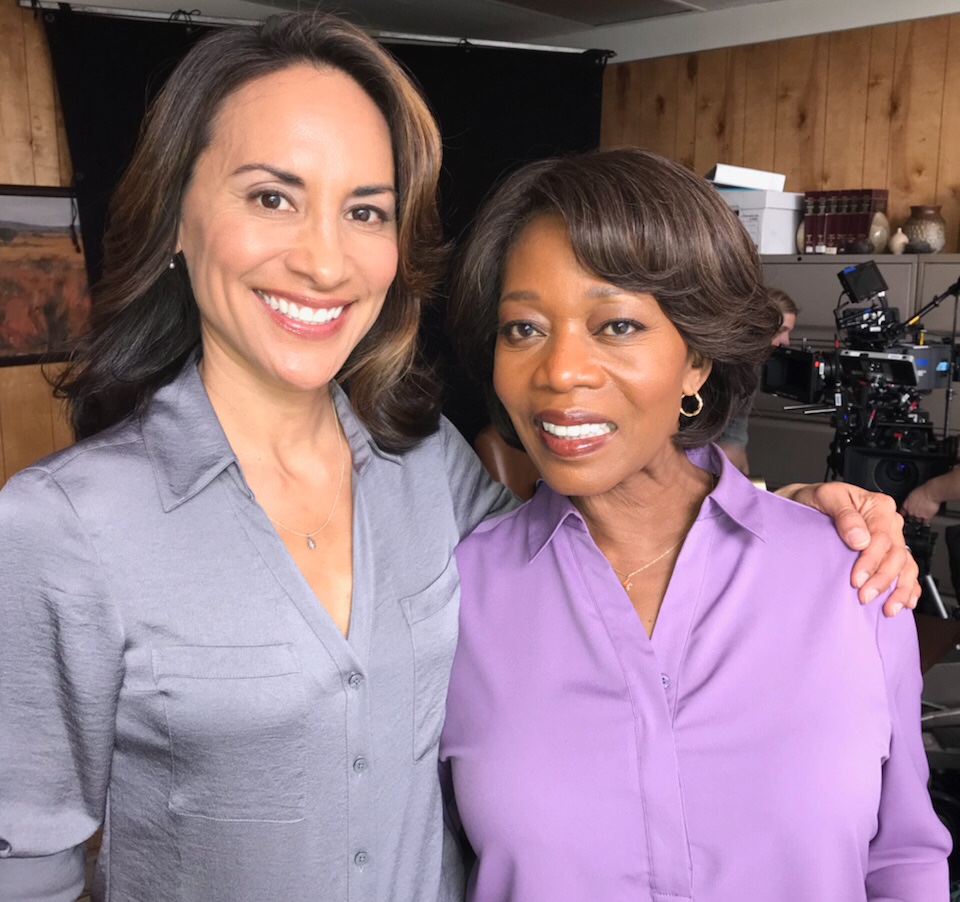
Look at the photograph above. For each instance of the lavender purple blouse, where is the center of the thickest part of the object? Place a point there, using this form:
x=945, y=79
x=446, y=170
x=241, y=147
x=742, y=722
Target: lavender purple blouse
x=764, y=744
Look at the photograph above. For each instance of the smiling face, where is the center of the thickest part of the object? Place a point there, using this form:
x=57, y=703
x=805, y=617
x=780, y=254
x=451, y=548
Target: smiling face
x=590, y=374
x=288, y=227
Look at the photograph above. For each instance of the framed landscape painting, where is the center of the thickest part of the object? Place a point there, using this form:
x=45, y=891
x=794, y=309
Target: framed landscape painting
x=44, y=299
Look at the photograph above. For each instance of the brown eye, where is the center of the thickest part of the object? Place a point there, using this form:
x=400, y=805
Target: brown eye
x=620, y=327
x=271, y=200
x=518, y=331
x=369, y=215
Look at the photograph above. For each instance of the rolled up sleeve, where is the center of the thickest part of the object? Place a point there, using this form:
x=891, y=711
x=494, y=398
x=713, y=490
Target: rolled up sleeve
x=61, y=648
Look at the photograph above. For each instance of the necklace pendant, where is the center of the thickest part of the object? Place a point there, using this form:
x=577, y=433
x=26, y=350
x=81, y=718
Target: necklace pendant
x=628, y=585
x=310, y=543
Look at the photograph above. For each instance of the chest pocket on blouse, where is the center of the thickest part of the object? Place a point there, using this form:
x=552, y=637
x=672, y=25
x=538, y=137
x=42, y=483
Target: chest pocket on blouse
x=235, y=719
x=432, y=618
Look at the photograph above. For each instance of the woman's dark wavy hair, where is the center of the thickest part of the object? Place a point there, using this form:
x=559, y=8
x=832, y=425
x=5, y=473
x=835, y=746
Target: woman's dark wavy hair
x=145, y=323
x=644, y=224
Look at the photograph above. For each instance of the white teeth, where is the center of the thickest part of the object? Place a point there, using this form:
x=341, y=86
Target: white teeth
x=584, y=430
x=328, y=315
x=301, y=314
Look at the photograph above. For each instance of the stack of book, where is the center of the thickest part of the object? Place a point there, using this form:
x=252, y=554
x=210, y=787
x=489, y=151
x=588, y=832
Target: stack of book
x=838, y=222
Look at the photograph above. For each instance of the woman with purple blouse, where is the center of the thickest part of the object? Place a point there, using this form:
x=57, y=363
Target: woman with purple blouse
x=644, y=703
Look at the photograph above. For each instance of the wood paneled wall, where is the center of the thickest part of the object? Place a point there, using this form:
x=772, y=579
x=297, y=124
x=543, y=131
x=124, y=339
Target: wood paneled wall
x=33, y=145
x=867, y=108
x=32, y=424
x=33, y=151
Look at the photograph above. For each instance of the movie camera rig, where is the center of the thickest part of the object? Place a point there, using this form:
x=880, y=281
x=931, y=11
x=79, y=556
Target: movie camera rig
x=871, y=384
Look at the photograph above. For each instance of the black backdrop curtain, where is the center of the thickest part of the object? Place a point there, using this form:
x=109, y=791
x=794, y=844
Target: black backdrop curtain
x=497, y=108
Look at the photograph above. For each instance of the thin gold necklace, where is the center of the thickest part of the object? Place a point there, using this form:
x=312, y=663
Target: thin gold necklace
x=311, y=544
x=626, y=580
x=627, y=577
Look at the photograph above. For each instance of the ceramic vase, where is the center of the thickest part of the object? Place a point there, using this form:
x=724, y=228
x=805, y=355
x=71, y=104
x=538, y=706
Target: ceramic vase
x=898, y=242
x=879, y=232
x=925, y=230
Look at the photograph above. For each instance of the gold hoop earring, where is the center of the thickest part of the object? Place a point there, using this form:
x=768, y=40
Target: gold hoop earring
x=691, y=413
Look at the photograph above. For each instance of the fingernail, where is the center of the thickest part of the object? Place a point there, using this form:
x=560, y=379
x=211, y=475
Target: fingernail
x=897, y=608
x=869, y=595
x=861, y=578
x=859, y=537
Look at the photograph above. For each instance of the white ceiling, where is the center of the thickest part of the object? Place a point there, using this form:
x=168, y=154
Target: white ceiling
x=633, y=29
x=506, y=20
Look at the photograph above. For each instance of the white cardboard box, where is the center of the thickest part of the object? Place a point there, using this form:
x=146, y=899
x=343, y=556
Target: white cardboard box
x=771, y=218
x=741, y=177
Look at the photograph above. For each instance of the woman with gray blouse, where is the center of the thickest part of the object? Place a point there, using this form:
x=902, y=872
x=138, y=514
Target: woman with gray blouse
x=229, y=611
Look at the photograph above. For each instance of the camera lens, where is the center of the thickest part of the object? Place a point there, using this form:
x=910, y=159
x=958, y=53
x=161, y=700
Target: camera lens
x=897, y=477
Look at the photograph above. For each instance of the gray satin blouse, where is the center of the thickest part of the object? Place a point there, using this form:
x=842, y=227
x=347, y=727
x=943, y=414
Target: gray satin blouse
x=165, y=669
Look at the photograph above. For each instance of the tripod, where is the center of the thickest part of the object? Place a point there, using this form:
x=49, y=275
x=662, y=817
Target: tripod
x=920, y=540
x=930, y=600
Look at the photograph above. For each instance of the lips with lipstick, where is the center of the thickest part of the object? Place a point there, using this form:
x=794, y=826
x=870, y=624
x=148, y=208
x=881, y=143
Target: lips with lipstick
x=300, y=313
x=573, y=434
x=585, y=430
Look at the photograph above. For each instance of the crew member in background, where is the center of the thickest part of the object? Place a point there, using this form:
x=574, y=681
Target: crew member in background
x=734, y=439
x=924, y=501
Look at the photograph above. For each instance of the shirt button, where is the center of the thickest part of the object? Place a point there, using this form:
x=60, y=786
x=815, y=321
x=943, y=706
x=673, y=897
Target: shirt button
x=665, y=680
x=360, y=765
x=361, y=858
x=355, y=680
x=5, y=849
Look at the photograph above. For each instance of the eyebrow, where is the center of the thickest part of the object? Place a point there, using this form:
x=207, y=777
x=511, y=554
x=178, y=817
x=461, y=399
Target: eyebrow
x=290, y=179
x=372, y=190
x=605, y=291
x=287, y=177
x=600, y=291
x=520, y=295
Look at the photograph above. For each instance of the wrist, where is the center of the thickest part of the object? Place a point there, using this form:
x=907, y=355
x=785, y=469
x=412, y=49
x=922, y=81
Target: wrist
x=930, y=491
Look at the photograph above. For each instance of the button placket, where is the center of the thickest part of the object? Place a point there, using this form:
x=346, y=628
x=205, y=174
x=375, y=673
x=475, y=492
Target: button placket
x=361, y=838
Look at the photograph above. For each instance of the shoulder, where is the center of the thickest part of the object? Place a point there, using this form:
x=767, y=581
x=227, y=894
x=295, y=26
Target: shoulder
x=445, y=444
x=51, y=510
x=440, y=483
x=813, y=566
x=99, y=454
x=505, y=538
x=470, y=483
x=789, y=523
x=803, y=546
x=786, y=550
x=455, y=447
x=794, y=529
x=53, y=496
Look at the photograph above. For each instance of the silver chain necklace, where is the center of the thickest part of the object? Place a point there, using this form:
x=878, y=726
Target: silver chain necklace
x=311, y=544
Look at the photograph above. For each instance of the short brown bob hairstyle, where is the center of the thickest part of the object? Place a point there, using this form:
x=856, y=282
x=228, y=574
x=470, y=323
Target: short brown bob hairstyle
x=145, y=324
x=644, y=224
